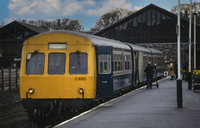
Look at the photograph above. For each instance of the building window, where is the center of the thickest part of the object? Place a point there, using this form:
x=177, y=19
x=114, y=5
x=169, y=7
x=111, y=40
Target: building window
x=56, y=63
x=149, y=18
x=121, y=27
x=130, y=23
x=163, y=17
x=158, y=18
x=144, y=16
x=117, y=28
x=135, y=22
x=153, y=17
x=140, y=19
x=125, y=25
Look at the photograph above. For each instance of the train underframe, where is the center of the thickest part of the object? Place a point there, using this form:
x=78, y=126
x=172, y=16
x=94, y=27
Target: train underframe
x=42, y=110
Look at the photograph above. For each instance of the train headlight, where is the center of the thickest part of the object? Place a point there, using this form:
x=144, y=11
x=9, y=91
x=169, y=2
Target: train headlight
x=81, y=91
x=31, y=90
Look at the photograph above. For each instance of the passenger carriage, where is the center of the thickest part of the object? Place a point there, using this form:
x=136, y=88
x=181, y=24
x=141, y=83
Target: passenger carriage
x=68, y=69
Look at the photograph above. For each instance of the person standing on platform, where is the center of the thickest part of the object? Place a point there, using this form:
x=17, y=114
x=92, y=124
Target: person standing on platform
x=171, y=70
x=185, y=70
x=149, y=73
x=175, y=69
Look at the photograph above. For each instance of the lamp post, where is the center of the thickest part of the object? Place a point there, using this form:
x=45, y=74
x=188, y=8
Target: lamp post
x=187, y=8
x=195, y=47
x=179, y=81
x=190, y=72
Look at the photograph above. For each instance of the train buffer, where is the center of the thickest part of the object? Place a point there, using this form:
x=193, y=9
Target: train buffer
x=141, y=108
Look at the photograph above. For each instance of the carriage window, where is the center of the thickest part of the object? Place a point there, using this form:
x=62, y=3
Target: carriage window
x=56, y=63
x=35, y=63
x=104, y=63
x=127, y=59
x=115, y=62
x=78, y=63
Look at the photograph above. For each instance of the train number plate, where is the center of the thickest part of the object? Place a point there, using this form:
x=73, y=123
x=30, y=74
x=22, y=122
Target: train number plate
x=80, y=78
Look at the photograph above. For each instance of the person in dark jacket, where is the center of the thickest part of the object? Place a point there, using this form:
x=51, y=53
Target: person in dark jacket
x=149, y=73
x=175, y=69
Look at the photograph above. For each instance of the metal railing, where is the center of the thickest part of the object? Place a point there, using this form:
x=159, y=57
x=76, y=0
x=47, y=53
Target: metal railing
x=9, y=78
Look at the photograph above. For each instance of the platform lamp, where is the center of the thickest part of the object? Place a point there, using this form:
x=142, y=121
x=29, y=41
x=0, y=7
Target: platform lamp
x=179, y=81
x=190, y=50
x=195, y=47
x=187, y=8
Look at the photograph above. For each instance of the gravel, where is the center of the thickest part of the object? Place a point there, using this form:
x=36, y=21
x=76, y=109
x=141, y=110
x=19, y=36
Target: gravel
x=12, y=113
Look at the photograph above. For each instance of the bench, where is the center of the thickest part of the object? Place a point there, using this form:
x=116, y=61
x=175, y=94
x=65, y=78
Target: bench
x=196, y=86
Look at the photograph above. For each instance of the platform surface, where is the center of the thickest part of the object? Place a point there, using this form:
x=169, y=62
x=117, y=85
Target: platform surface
x=144, y=108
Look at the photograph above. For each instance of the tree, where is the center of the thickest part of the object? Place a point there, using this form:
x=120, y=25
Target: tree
x=110, y=18
x=64, y=24
x=74, y=25
x=2, y=24
x=195, y=9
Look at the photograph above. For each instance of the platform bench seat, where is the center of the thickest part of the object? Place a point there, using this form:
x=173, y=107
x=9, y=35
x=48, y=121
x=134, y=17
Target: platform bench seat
x=196, y=86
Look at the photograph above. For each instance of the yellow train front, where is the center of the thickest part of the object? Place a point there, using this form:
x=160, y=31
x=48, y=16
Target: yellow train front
x=57, y=66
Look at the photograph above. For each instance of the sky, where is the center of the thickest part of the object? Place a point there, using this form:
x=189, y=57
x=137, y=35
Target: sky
x=86, y=11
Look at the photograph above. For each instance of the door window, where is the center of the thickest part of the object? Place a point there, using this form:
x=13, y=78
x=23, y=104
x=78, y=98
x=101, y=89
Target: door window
x=104, y=63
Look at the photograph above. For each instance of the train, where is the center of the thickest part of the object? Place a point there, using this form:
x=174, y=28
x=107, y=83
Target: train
x=62, y=70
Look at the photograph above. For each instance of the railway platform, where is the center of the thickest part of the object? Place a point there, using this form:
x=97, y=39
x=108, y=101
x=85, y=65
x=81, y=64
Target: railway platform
x=144, y=108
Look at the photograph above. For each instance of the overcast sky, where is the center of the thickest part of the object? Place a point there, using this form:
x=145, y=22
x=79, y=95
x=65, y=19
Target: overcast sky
x=86, y=11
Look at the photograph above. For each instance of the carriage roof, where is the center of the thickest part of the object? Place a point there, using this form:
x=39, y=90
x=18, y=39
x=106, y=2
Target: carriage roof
x=155, y=51
x=139, y=48
x=101, y=41
x=96, y=40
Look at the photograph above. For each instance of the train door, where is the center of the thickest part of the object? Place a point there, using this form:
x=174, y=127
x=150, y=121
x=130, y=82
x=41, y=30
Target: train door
x=104, y=71
x=140, y=67
x=135, y=57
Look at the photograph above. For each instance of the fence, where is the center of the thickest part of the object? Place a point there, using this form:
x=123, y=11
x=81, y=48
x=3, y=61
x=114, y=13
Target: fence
x=9, y=78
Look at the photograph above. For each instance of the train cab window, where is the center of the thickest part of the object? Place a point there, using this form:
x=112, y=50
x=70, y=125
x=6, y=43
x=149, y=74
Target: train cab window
x=104, y=63
x=78, y=63
x=35, y=63
x=56, y=63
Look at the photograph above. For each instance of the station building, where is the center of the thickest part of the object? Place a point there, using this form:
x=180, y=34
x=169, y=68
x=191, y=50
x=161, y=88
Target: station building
x=12, y=37
x=154, y=27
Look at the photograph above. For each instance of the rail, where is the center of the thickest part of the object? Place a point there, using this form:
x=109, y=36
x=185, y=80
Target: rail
x=9, y=78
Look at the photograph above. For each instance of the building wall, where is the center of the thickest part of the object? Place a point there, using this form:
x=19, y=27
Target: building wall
x=153, y=28
x=150, y=26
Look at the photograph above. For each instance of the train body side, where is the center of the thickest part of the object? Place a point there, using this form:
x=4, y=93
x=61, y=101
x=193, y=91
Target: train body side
x=141, y=57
